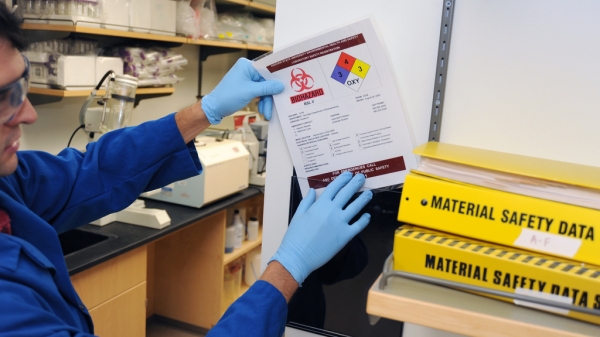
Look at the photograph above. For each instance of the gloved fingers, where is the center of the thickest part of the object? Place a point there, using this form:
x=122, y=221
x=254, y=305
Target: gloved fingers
x=265, y=106
x=261, y=106
x=335, y=186
x=266, y=88
x=348, y=191
x=356, y=206
x=358, y=226
x=245, y=65
x=305, y=204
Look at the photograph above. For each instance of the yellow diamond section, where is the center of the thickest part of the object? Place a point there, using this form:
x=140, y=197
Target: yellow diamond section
x=360, y=68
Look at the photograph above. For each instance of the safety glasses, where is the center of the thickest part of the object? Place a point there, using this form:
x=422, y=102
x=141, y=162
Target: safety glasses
x=13, y=95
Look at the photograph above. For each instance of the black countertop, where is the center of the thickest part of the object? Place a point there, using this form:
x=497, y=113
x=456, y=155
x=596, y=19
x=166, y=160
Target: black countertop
x=125, y=237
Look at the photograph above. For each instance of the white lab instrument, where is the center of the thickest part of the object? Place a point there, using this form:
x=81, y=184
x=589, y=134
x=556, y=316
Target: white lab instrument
x=225, y=164
x=116, y=113
x=138, y=214
x=118, y=105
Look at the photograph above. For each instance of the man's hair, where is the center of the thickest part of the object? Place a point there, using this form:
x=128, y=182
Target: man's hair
x=10, y=28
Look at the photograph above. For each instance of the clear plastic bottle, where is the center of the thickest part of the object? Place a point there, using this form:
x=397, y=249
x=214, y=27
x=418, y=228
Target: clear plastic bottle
x=229, y=238
x=61, y=7
x=240, y=229
x=120, y=105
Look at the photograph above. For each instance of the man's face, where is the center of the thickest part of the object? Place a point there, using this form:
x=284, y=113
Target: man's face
x=11, y=115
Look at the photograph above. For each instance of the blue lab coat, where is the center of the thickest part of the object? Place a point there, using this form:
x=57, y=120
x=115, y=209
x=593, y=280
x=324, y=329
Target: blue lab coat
x=50, y=194
x=260, y=312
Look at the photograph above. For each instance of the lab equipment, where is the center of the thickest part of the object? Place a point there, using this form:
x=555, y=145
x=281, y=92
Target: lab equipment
x=235, y=91
x=225, y=164
x=323, y=220
x=229, y=238
x=253, y=229
x=240, y=229
x=119, y=106
x=138, y=214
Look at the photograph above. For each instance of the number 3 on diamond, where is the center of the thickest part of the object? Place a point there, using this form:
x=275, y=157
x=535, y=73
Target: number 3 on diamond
x=340, y=74
x=360, y=69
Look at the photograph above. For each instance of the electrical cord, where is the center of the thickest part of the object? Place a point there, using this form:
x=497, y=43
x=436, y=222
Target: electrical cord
x=74, y=132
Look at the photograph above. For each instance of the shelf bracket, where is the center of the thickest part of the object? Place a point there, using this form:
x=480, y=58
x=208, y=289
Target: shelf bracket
x=439, y=88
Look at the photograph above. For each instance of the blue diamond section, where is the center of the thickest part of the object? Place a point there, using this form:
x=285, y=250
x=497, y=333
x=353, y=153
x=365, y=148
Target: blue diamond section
x=340, y=74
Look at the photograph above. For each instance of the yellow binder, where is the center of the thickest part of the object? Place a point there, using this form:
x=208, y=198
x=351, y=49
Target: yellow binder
x=550, y=170
x=445, y=256
x=505, y=218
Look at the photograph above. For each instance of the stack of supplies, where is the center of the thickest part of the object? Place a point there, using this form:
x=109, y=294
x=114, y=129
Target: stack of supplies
x=152, y=67
x=518, y=224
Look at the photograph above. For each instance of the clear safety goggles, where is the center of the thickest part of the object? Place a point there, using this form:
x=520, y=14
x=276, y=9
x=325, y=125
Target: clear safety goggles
x=13, y=95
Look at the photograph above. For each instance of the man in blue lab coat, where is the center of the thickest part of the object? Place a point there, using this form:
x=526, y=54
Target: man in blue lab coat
x=42, y=195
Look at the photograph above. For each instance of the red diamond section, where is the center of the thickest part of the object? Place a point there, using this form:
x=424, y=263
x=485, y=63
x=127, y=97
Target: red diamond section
x=346, y=61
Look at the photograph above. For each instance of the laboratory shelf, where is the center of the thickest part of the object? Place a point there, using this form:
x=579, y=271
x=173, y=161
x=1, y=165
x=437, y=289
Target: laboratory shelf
x=250, y=5
x=246, y=247
x=465, y=313
x=143, y=36
x=103, y=32
x=85, y=93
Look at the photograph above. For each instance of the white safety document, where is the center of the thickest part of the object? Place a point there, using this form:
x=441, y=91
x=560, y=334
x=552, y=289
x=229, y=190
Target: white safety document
x=341, y=108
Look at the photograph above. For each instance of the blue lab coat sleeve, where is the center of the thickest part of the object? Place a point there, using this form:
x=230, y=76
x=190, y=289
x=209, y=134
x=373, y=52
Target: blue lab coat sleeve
x=31, y=304
x=260, y=312
x=75, y=188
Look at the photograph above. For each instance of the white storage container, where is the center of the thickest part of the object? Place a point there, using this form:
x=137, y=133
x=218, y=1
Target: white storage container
x=163, y=14
x=76, y=72
x=116, y=14
x=41, y=66
x=104, y=64
x=140, y=14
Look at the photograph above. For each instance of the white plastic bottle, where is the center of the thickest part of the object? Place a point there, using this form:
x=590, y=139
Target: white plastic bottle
x=253, y=229
x=240, y=229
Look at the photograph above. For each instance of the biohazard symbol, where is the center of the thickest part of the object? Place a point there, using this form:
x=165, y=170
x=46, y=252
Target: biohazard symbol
x=301, y=80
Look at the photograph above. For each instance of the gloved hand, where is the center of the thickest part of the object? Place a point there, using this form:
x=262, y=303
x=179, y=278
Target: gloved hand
x=241, y=84
x=320, y=229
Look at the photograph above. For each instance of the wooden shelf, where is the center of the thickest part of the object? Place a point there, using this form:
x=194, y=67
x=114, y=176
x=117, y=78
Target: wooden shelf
x=468, y=314
x=246, y=247
x=251, y=5
x=85, y=93
x=144, y=36
x=104, y=32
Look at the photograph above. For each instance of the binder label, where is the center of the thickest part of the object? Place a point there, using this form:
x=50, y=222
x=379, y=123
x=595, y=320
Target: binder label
x=548, y=242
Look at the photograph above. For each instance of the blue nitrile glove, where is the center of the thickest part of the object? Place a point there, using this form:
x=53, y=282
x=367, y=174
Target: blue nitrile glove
x=240, y=86
x=320, y=229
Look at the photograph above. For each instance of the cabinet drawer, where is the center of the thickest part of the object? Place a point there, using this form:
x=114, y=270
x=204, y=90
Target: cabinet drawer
x=111, y=278
x=124, y=315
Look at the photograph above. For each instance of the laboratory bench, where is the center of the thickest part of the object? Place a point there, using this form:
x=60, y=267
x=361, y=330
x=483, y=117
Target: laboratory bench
x=126, y=274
